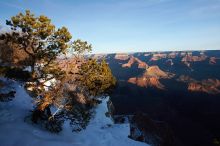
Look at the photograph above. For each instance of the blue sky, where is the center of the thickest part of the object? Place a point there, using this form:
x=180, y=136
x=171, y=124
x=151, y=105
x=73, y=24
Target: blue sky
x=130, y=25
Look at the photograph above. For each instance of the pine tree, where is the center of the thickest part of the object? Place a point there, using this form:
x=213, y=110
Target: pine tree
x=37, y=37
x=96, y=76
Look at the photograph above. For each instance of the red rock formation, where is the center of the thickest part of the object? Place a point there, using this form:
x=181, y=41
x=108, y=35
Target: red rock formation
x=213, y=60
x=155, y=71
x=194, y=87
x=182, y=54
x=122, y=56
x=146, y=82
x=133, y=60
x=190, y=58
x=130, y=62
x=172, y=55
x=158, y=56
x=151, y=78
x=185, y=79
x=210, y=86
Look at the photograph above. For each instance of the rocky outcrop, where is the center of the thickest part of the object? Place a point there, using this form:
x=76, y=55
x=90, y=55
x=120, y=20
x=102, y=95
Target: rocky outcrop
x=187, y=64
x=133, y=60
x=210, y=86
x=172, y=55
x=213, y=60
x=144, y=129
x=147, y=54
x=122, y=56
x=182, y=54
x=155, y=71
x=7, y=93
x=146, y=82
x=190, y=58
x=99, y=56
x=151, y=78
x=111, y=109
x=158, y=56
x=185, y=79
x=169, y=62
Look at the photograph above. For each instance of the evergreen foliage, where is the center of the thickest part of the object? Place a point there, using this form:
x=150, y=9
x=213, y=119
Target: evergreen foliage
x=96, y=76
x=37, y=37
x=75, y=85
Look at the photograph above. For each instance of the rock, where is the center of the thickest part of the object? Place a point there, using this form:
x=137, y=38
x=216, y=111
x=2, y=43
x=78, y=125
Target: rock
x=210, y=86
x=158, y=56
x=155, y=71
x=133, y=60
x=147, y=54
x=172, y=55
x=212, y=60
x=182, y=54
x=190, y=58
x=5, y=97
x=122, y=56
x=151, y=78
x=144, y=129
x=121, y=119
x=111, y=109
x=185, y=79
x=146, y=82
x=169, y=62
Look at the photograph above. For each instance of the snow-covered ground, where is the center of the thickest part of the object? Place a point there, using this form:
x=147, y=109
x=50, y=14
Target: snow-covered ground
x=15, y=132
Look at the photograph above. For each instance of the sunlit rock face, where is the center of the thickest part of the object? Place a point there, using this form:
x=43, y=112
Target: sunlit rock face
x=158, y=56
x=190, y=58
x=147, y=54
x=182, y=54
x=151, y=78
x=155, y=71
x=133, y=60
x=99, y=56
x=146, y=82
x=213, y=60
x=210, y=86
x=172, y=55
x=122, y=56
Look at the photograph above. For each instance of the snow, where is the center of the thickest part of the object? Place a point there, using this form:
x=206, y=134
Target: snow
x=101, y=130
x=28, y=68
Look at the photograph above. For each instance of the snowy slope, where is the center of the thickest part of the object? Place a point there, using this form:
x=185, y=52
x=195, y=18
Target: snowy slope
x=15, y=132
